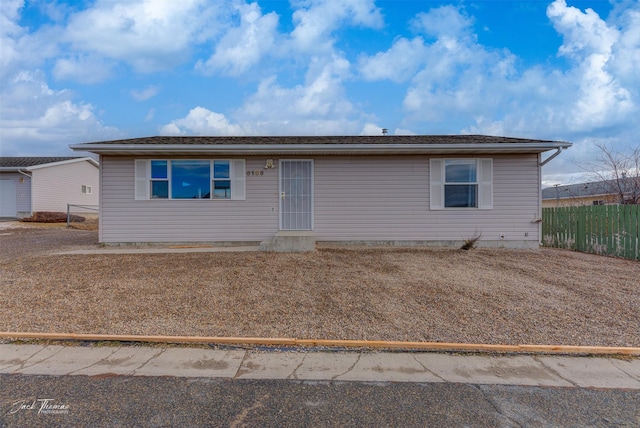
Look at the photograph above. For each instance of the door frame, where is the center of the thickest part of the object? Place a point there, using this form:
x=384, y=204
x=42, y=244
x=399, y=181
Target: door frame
x=280, y=192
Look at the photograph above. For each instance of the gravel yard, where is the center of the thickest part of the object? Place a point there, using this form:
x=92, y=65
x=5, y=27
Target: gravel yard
x=546, y=296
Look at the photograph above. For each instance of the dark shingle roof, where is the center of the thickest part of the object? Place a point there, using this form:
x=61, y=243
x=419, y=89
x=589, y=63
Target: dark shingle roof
x=320, y=145
x=354, y=139
x=592, y=188
x=24, y=162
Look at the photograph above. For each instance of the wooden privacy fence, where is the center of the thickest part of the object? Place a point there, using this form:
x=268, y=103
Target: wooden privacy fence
x=612, y=230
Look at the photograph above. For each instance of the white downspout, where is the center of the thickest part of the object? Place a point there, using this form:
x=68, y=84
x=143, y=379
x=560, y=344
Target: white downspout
x=543, y=163
x=540, y=165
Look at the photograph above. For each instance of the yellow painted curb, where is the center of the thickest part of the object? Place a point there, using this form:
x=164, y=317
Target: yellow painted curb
x=380, y=344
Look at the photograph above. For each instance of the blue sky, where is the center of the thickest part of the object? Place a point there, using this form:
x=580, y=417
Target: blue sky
x=80, y=71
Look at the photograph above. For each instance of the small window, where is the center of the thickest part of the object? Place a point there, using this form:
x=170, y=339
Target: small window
x=221, y=182
x=159, y=179
x=598, y=202
x=87, y=190
x=461, y=183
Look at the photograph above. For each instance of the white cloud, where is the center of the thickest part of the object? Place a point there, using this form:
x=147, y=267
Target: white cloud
x=318, y=107
x=9, y=14
x=145, y=94
x=371, y=129
x=457, y=82
x=583, y=32
x=458, y=79
x=625, y=60
x=37, y=119
x=201, y=121
x=589, y=41
x=443, y=22
x=20, y=49
x=322, y=95
x=150, y=35
x=315, y=20
x=83, y=69
x=243, y=47
x=398, y=64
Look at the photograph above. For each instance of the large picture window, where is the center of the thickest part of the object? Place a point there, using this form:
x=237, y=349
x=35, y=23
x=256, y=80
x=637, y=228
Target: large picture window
x=190, y=179
x=461, y=183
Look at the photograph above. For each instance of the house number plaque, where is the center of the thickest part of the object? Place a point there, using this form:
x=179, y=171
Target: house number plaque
x=255, y=172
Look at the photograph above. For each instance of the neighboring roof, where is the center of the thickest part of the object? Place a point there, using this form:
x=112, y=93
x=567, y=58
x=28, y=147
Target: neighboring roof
x=30, y=163
x=583, y=190
x=321, y=145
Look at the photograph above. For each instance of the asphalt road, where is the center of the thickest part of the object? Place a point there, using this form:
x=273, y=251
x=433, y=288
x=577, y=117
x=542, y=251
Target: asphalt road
x=114, y=401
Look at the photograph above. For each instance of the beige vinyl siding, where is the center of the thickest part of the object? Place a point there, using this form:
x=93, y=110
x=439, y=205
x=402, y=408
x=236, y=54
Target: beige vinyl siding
x=384, y=199
x=58, y=185
x=124, y=219
x=368, y=198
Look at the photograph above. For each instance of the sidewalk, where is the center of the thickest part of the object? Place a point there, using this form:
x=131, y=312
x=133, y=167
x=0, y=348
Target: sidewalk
x=305, y=364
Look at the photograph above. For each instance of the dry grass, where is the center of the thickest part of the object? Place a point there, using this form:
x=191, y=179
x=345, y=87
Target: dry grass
x=52, y=217
x=88, y=224
x=481, y=296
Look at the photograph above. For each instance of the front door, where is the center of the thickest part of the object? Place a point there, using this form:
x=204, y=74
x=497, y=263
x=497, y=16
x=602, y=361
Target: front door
x=296, y=195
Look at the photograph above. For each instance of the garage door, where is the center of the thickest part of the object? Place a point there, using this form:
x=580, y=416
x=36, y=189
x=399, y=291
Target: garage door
x=7, y=198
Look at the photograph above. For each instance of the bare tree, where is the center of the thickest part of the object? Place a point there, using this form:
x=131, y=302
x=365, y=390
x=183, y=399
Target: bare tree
x=619, y=173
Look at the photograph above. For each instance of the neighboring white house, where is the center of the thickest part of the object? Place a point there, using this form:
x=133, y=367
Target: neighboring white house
x=408, y=190
x=623, y=191
x=32, y=184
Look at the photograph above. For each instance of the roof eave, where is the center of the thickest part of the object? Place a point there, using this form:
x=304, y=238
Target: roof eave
x=12, y=169
x=315, y=149
x=64, y=162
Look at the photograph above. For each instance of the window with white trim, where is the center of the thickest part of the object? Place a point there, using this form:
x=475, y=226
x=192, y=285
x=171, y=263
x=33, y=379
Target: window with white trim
x=159, y=179
x=190, y=179
x=461, y=183
x=221, y=183
x=87, y=190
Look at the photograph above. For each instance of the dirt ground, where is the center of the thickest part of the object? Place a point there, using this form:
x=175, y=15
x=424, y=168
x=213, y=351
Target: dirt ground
x=545, y=296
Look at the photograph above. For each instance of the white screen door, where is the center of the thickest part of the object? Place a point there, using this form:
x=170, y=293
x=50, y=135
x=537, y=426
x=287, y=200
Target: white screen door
x=296, y=195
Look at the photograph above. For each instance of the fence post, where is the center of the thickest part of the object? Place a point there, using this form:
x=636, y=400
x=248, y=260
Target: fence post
x=68, y=215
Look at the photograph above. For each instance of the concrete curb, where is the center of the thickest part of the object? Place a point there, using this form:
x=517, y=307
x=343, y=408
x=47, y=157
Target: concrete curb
x=409, y=346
